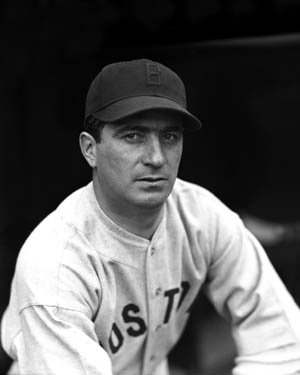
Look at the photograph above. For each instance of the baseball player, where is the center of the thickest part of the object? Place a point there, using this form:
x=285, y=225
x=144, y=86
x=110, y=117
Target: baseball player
x=105, y=283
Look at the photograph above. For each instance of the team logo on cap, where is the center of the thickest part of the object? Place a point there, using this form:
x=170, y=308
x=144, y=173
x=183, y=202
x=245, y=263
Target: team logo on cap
x=153, y=74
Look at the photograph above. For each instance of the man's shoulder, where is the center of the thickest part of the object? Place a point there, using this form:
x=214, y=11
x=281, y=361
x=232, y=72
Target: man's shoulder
x=203, y=214
x=57, y=227
x=54, y=251
x=197, y=202
x=191, y=191
x=74, y=203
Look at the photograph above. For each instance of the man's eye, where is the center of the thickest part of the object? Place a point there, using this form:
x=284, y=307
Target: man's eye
x=171, y=137
x=133, y=137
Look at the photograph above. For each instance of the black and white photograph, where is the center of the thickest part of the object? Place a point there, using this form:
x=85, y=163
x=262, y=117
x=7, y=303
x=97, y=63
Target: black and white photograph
x=150, y=187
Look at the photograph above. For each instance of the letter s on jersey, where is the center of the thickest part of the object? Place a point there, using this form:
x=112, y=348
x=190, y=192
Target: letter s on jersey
x=141, y=325
x=116, y=337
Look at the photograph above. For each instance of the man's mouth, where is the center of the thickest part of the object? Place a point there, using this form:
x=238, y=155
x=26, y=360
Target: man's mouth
x=152, y=178
x=152, y=183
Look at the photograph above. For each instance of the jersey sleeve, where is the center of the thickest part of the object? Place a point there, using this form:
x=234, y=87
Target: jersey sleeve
x=57, y=341
x=244, y=286
x=48, y=326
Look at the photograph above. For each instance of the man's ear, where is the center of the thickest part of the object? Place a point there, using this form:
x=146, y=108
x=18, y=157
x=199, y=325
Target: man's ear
x=88, y=148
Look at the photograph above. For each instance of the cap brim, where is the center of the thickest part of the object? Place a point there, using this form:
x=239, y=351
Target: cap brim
x=130, y=106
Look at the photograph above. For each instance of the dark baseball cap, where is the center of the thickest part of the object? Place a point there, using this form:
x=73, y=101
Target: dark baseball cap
x=126, y=88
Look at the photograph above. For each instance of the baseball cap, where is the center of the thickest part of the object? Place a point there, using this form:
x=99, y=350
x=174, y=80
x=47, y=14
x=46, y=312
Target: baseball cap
x=126, y=88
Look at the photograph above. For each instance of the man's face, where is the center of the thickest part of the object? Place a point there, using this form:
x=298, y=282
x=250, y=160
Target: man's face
x=137, y=161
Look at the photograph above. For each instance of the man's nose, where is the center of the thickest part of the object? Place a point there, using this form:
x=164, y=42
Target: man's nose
x=154, y=153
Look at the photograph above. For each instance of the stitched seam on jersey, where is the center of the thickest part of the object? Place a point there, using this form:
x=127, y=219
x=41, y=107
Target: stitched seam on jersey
x=76, y=231
x=33, y=305
x=49, y=305
x=117, y=261
x=97, y=251
x=60, y=263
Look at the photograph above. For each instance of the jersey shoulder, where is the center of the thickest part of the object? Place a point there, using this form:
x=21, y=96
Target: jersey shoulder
x=200, y=208
x=207, y=216
x=194, y=194
x=56, y=260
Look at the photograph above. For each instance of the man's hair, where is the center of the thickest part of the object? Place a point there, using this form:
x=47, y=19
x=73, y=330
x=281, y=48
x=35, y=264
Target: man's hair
x=93, y=126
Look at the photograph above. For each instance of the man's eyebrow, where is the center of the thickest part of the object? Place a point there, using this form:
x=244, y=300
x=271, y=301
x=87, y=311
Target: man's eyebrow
x=173, y=128
x=122, y=128
x=139, y=127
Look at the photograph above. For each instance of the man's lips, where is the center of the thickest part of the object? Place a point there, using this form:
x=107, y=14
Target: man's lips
x=152, y=178
x=152, y=183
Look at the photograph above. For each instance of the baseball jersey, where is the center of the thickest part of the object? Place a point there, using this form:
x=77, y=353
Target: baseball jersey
x=89, y=297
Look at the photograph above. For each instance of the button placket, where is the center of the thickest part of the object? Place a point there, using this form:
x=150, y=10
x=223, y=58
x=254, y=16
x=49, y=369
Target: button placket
x=154, y=278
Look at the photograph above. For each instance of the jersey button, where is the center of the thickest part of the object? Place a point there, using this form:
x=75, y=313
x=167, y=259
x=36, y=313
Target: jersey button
x=158, y=327
x=152, y=252
x=158, y=291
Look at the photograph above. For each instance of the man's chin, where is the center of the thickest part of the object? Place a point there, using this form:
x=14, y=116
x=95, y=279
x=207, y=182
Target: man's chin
x=151, y=201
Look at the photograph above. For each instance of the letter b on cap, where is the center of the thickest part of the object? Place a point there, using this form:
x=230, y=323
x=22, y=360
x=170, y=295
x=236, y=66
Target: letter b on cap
x=153, y=74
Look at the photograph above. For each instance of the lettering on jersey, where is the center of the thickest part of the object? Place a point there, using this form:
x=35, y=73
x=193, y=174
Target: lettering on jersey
x=137, y=326
x=170, y=294
x=116, y=338
x=185, y=285
x=137, y=320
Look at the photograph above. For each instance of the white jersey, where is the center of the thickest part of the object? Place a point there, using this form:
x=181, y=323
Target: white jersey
x=90, y=298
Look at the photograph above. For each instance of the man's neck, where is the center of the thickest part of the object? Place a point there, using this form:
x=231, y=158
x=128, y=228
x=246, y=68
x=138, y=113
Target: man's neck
x=139, y=221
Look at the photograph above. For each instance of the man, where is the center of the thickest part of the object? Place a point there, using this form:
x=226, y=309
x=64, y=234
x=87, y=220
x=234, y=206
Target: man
x=105, y=283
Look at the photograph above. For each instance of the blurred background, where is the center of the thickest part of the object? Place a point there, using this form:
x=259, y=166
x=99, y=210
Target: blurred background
x=240, y=61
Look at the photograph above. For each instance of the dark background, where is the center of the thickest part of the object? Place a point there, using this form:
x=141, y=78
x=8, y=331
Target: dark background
x=240, y=61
